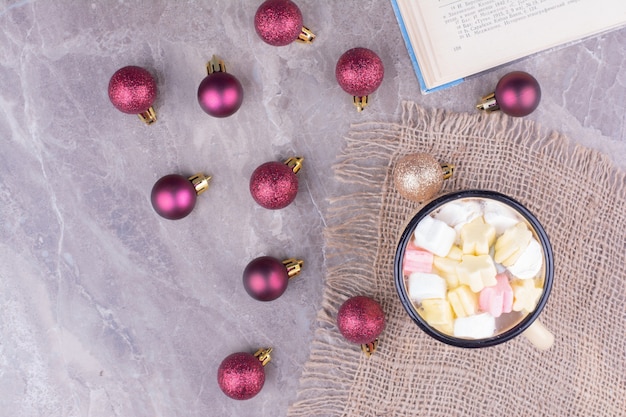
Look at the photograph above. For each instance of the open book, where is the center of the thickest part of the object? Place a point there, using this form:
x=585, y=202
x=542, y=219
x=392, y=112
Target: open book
x=449, y=40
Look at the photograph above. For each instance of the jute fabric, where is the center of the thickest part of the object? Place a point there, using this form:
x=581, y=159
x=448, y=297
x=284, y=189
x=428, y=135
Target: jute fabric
x=580, y=199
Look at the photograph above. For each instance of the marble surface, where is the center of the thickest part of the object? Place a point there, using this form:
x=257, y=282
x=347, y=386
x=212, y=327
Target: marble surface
x=107, y=309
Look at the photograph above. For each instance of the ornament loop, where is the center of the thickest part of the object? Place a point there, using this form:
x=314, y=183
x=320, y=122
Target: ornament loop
x=306, y=36
x=295, y=163
x=200, y=182
x=369, y=348
x=148, y=116
x=293, y=266
x=215, y=65
x=263, y=355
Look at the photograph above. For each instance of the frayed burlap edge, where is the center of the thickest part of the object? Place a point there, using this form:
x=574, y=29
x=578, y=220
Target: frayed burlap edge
x=358, y=254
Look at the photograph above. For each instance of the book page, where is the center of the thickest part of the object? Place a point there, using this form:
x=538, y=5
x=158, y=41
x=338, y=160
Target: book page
x=465, y=37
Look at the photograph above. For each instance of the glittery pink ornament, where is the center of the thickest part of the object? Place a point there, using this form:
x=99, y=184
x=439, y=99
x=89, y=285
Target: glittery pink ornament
x=279, y=23
x=174, y=196
x=274, y=185
x=241, y=375
x=220, y=94
x=133, y=90
x=266, y=278
x=361, y=319
x=517, y=94
x=359, y=72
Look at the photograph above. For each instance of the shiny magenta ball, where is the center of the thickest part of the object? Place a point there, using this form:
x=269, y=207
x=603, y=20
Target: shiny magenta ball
x=273, y=185
x=359, y=72
x=518, y=94
x=241, y=376
x=132, y=90
x=265, y=278
x=278, y=22
x=220, y=94
x=173, y=197
x=361, y=319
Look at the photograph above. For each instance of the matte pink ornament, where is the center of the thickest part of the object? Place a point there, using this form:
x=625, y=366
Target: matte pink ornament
x=517, y=94
x=279, y=23
x=132, y=90
x=241, y=375
x=274, y=185
x=174, y=196
x=265, y=278
x=220, y=94
x=359, y=72
x=361, y=320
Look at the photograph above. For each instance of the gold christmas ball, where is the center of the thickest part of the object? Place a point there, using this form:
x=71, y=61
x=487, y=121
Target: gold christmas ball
x=419, y=177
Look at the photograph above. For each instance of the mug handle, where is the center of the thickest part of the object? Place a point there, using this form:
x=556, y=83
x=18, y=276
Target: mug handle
x=539, y=336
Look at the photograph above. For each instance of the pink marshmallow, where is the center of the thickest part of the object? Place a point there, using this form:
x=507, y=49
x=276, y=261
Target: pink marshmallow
x=498, y=298
x=417, y=260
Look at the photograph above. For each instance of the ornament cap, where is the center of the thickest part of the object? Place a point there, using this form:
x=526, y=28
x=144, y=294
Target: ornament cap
x=295, y=163
x=263, y=355
x=200, y=182
x=216, y=64
x=448, y=170
x=360, y=102
x=369, y=348
x=306, y=36
x=488, y=103
x=293, y=266
x=148, y=116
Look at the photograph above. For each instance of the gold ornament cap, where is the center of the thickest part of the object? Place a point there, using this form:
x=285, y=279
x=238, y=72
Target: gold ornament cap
x=295, y=163
x=293, y=266
x=263, y=355
x=419, y=177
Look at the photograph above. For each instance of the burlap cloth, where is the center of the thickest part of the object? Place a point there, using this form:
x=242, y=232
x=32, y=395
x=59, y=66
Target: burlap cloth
x=578, y=196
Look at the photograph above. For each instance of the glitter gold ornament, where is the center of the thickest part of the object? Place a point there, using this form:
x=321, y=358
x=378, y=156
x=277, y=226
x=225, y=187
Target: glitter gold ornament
x=419, y=177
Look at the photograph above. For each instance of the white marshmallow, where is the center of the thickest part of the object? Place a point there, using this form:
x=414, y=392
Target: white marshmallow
x=529, y=263
x=423, y=285
x=435, y=236
x=478, y=326
x=501, y=217
x=457, y=214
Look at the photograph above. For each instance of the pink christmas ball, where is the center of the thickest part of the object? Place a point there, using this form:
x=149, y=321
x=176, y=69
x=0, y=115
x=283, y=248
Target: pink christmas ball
x=265, y=278
x=273, y=185
x=278, y=22
x=360, y=319
x=220, y=94
x=241, y=376
x=518, y=94
x=132, y=90
x=173, y=197
x=359, y=72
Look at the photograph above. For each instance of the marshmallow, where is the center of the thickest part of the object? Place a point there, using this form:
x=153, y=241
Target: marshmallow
x=464, y=302
x=478, y=326
x=434, y=235
x=455, y=214
x=529, y=263
x=455, y=253
x=497, y=299
x=511, y=244
x=477, y=236
x=446, y=268
x=525, y=295
x=500, y=216
x=477, y=272
x=438, y=314
x=417, y=260
x=423, y=285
